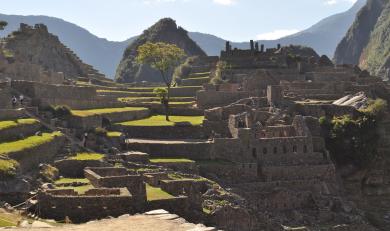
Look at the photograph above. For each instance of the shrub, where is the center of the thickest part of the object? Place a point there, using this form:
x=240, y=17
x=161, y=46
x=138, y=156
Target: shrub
x=217, y=78
x=376, y=108
x=62, y=111
x=160, y=92
x=99, y=131
x=351, y=141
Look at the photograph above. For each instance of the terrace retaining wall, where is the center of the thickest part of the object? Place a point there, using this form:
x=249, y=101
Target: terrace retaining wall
x=19, y=131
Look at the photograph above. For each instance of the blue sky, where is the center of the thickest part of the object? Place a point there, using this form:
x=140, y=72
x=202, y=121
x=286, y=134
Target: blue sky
x=235, y=20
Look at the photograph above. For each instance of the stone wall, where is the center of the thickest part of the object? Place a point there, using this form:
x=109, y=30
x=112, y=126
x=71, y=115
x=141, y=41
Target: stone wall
x=323, y=172
x=169, y=132
x=178, y=205
x=19, y=131
x=75, y=97
x=54, y=204
x=75, y=168
x=11, y=114
x=94, y=121
x=31, y=158
x=184, y=91
x=208, y=99
x=185, y=167
x=118, y=178
x=192, y=150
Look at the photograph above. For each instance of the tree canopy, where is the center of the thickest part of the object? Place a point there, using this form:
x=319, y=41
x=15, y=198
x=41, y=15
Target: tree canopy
x=160, y=56
x=3, y=24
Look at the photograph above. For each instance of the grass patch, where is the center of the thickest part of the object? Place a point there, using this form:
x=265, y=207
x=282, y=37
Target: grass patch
x=8, y=168
x=71, y=180
x=87, y=156
x=79, y=189
x=29, y=142
x=15, y=123
x=85, y=113
x=7, y=219
x=196, y=78
x=154, y=193
x=114, y=134
x=172, y=160
x=159, y=120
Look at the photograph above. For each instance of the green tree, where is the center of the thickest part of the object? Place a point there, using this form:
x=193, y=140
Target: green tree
x=3, y=24
x=163, y=57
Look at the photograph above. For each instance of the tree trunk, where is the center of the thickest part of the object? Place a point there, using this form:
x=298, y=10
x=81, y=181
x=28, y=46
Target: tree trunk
x=167, y=103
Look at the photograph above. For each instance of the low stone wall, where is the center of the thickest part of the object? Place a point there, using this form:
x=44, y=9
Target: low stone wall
x=154, y=178
x=178, y=111
x=114, y=117
x=178, y=205
x=184, y=91
x=183, y=187
x=167, y=132
x=193, y=151
x=330, y=110
x=110, y=178
x=75, y=168
x=19, y=131
x=208, y=99
x=31, y=158
x=10, y=114
x=83, y=208
x=185, y=167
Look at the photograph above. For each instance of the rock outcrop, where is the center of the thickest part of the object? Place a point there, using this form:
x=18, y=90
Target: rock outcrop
x=164, y=30
x=35, y=46
x=367, y=41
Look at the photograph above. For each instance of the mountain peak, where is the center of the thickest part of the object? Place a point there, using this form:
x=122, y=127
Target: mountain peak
x=165, y=30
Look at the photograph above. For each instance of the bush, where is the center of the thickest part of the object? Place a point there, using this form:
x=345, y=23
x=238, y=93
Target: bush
x=376, y=108
x=160, y=92
x=217, y=79
x=62, y=111
x=99, y=131
x=351, y=141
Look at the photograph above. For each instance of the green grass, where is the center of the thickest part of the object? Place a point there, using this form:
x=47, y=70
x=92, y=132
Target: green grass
x=202, y=77
x=87, y=156
x=159, y=120
x=79, y=189
x=29, y=142
x=15, y=123
x=85, y=113
x=7, y=220
x=154, y=193
x=71, y=180
x=8, y=167
x=171, y=160
x=114, y=134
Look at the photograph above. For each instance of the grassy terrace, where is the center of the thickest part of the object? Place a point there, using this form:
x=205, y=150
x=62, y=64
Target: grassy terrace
x=29, y=142
x=79, y=189
x=159, y=120
x=85, y=113
x=171, y=160
x=87, y=156
x=114, y=134
x=15, y=123
x=153, y=193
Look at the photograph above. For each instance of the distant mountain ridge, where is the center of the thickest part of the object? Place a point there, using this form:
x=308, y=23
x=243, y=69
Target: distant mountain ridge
x=105, y=55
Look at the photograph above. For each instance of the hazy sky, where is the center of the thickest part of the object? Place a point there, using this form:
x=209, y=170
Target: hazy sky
x=236, y=20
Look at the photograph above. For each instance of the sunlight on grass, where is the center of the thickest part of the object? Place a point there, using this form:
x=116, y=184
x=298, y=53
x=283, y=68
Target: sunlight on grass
x=8, y=219
x=29, y=142
x=8, y=167
x=71, y=180
x=171, y=160
x=114, y=134
x=154, y=193
x=87, y=156
x=15, y=123
x=159, y=120
x=85, y=113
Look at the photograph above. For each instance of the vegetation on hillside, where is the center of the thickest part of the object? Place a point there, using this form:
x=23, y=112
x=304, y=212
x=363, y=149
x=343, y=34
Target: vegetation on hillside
x=15, y=123
x=87, y=156
x=354, y=140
